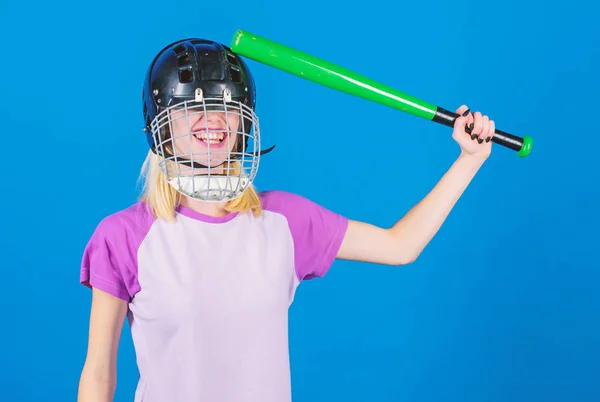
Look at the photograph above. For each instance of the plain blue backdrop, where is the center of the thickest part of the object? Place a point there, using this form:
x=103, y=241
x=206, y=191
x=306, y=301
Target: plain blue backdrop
x=503, y=305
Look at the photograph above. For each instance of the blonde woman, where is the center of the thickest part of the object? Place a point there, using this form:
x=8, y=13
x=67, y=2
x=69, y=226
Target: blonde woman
x=204, y=266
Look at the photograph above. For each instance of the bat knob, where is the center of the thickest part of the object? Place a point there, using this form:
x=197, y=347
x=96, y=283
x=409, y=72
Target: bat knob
x=526, y=147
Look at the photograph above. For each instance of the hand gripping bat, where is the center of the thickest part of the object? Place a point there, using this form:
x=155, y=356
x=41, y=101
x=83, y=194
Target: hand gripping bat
x=325, y=73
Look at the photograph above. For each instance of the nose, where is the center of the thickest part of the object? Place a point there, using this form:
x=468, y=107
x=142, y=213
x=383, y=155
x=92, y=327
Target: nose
x=214, y=117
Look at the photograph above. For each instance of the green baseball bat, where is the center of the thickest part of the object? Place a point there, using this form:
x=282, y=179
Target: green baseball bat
x=341, y=79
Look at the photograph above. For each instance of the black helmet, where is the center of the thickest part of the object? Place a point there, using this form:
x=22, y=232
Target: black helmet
x=185, y=66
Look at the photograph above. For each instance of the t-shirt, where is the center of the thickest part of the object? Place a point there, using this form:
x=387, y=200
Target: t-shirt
x=209, y=296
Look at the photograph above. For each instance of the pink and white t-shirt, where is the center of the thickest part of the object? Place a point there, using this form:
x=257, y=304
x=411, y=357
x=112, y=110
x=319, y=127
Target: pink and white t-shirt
x=209, y=297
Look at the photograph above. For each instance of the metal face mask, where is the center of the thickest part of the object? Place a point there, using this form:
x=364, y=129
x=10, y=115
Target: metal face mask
x=210, y=147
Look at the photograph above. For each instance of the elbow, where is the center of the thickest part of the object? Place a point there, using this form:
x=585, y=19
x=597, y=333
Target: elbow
x=406, y=261
x=403, y=249
x=407, y=254
x=405, y=258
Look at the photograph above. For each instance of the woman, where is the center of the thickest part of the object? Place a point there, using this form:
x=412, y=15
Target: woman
x=204, y=266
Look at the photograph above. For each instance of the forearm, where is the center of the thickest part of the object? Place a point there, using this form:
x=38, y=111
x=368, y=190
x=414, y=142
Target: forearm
x=416, y=229
x=96, y=385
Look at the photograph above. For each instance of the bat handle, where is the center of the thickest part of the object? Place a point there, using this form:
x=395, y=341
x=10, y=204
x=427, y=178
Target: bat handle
x=520, y=144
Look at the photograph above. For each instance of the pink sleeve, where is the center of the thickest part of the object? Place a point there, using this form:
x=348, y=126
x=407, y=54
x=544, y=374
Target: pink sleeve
x=316, y=231
x=109, y=260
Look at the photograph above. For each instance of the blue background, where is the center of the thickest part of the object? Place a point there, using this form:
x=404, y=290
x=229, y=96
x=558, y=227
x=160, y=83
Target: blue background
x=502, y=305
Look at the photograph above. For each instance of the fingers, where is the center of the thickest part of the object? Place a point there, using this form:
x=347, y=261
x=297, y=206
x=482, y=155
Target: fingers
x=491, y=131
x=462, y=120
x=474, y=124
x=462, y=109
x=477, y=126
x=486, y=129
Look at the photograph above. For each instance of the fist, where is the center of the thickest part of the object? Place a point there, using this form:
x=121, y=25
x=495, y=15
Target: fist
x=473, y=132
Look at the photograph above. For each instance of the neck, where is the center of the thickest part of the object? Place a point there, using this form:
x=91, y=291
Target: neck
x=215, y=209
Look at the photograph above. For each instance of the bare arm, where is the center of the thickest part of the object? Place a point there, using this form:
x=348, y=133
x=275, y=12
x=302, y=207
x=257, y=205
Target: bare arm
x=98, y=377
x=405, y=240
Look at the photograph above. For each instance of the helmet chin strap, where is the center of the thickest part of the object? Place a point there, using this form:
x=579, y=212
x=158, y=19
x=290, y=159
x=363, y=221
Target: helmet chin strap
x=201, y=166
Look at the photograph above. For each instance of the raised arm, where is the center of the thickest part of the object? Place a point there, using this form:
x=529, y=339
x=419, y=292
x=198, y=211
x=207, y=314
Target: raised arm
x=403, y=242
x=98, y=377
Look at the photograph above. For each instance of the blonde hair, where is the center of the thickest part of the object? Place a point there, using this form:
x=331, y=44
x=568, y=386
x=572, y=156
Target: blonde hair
x=162, y=198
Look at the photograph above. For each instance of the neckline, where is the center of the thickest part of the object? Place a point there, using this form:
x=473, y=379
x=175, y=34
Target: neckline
x=190, y=213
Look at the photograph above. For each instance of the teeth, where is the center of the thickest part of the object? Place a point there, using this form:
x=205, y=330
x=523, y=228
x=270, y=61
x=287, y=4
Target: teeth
x=210, y=136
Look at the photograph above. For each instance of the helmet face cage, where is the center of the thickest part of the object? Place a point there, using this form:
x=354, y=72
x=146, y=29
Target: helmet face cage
x=203, y=161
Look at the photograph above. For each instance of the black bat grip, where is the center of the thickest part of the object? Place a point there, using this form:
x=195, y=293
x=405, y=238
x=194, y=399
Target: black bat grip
x=521, y=145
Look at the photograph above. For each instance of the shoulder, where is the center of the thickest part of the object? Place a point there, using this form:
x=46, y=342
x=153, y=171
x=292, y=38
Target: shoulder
x=122, y=231
x=270, y=196
x=308, y=220
x=120, y=234
x=284, y=202
x=296, y=207
x=134, y=220
x=109, y=259
x=317, y=231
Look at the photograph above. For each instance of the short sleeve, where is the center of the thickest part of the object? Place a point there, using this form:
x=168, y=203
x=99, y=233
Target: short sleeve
x=317, y=232
x=109, y=260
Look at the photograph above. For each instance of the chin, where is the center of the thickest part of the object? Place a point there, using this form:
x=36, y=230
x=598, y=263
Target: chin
x=215, y=164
